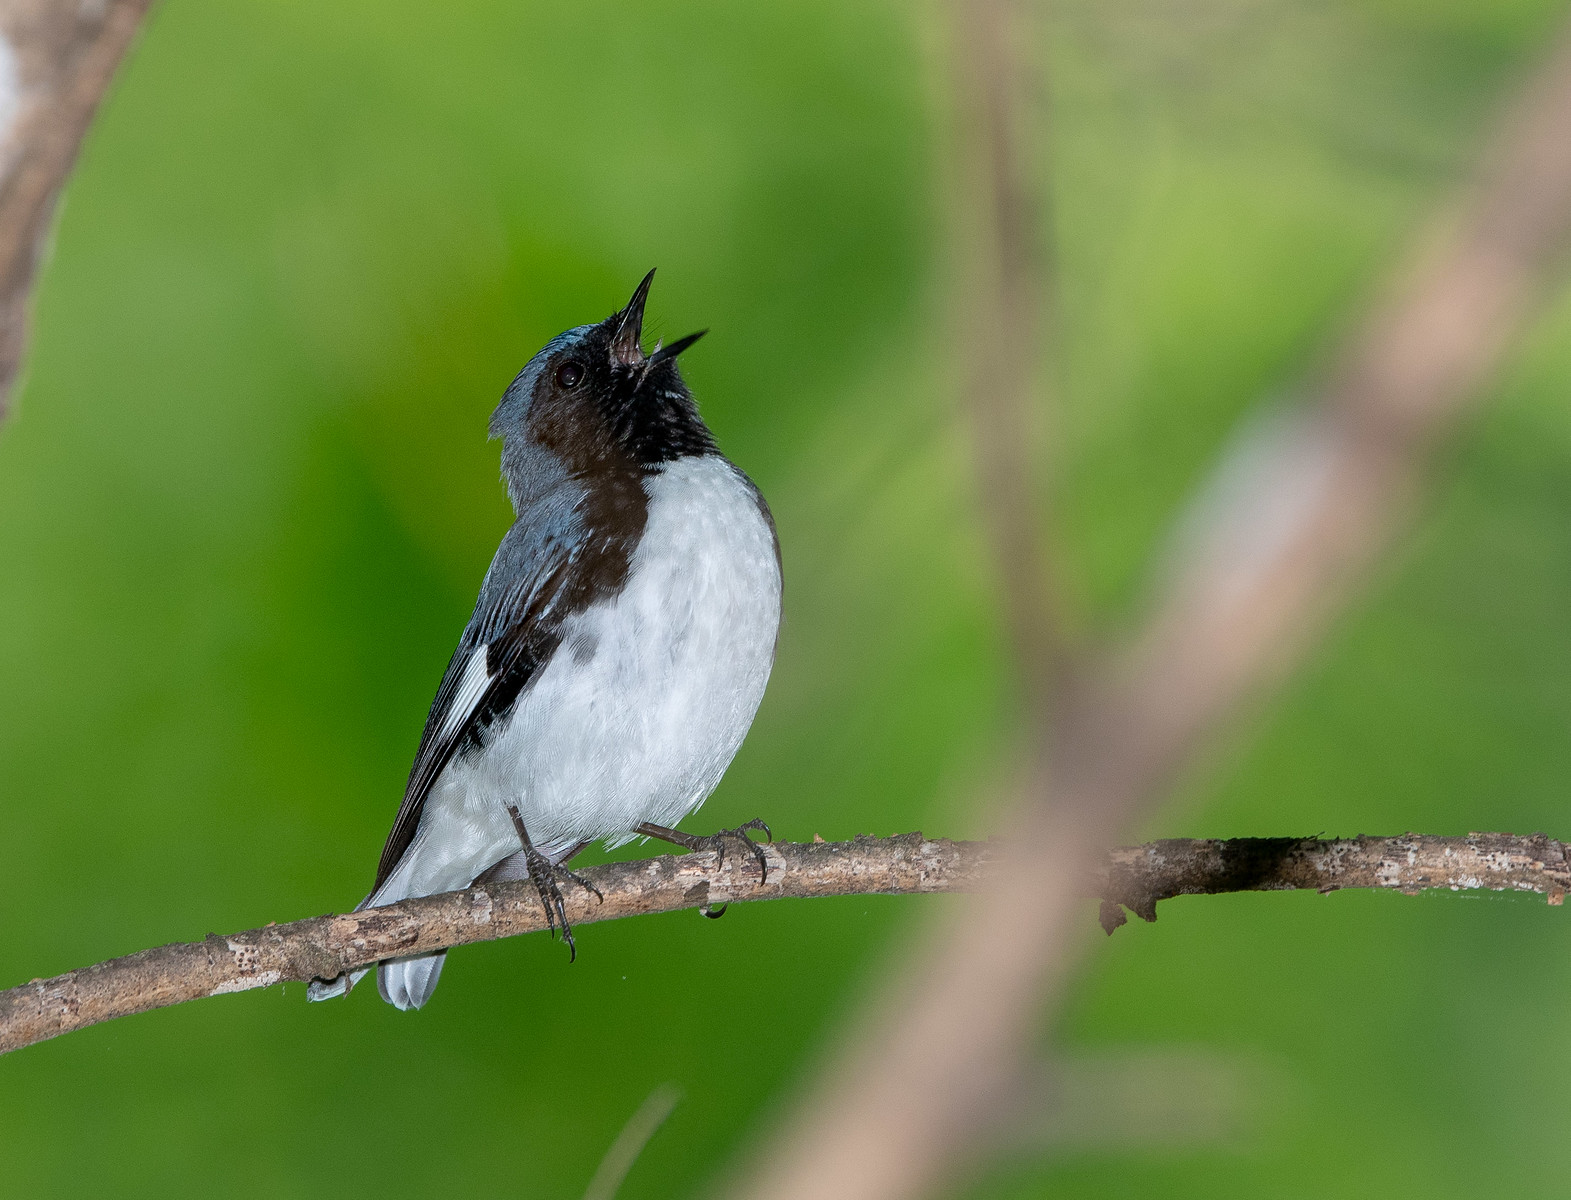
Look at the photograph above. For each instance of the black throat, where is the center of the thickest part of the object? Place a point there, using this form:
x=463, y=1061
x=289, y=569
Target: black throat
x=656, y=421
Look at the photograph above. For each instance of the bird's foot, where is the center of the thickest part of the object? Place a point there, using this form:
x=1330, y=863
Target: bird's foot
x=716, y=842
x=544, y=874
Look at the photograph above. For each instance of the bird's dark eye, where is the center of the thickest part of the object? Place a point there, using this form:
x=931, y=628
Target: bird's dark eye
x=569, y=375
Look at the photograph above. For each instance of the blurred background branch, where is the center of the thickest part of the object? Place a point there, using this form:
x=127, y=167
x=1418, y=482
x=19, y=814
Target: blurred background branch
x=904, y=1105
x=1006, y=297
x=1140, y=1099
x=629, y=1144
x=57, y=59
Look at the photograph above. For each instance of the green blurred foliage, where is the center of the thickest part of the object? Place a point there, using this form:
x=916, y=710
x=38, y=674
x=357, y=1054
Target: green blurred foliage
x=246, y=499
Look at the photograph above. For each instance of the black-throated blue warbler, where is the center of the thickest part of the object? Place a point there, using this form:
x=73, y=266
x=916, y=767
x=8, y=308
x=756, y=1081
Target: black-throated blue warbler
x=619, y=648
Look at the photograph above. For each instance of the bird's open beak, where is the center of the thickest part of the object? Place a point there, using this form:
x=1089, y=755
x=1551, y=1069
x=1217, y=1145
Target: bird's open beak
x=664, y=352
x=625, y=348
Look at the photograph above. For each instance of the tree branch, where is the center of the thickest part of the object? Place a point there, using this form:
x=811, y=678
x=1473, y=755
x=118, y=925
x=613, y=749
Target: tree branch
x=1137, y=877
x=56, y=62
x=325, y=947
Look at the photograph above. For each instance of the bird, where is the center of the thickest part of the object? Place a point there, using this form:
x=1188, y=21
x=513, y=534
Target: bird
x=619, y=648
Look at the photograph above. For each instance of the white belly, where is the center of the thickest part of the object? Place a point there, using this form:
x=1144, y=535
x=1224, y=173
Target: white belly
x=643, y=705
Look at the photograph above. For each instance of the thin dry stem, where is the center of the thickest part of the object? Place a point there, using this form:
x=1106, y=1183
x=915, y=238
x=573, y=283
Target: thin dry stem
x=630, y=1143
x=1138, y=877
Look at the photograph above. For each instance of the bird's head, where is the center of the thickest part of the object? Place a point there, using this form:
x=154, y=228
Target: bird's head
x=593, y=397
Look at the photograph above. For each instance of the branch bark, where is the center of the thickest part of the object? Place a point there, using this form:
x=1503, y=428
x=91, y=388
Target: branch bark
x=1137, y=877
x=324, y=947
x=56, y=62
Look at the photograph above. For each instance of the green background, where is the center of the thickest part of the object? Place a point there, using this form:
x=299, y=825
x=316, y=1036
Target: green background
x=246, y=500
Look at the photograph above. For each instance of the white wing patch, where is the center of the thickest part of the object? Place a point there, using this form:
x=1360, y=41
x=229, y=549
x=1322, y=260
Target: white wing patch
x=467, y=695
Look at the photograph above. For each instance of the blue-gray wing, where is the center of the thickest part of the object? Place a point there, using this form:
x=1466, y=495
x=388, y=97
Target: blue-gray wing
x=545, y=569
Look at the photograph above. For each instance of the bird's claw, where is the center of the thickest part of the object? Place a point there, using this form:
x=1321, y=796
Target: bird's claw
x=717, y=843
x=544, y=874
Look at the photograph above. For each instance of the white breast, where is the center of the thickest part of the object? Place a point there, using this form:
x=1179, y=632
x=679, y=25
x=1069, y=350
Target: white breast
x=644, y=704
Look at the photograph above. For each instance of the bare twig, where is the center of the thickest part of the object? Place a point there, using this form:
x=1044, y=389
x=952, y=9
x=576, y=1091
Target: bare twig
x=999, y=92
x=630, y=1143
x=1136, y=876
x=325, y=947
x=56, y=62
x=902, y=1104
